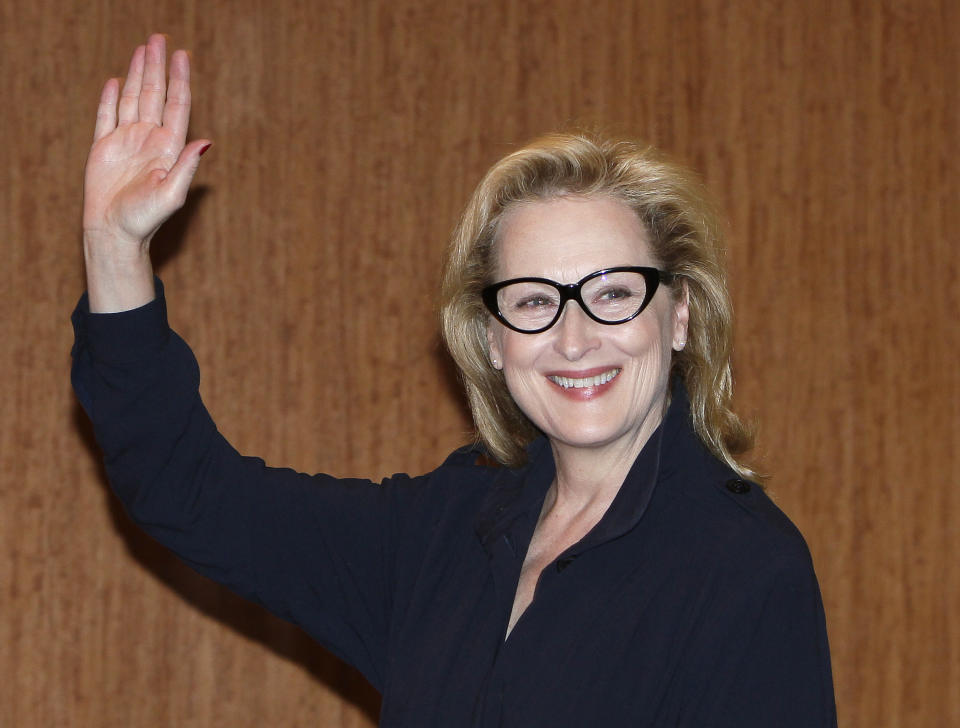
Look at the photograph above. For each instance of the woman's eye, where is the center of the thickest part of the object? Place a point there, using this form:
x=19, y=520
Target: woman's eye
x=533, y=302
x=614, y=294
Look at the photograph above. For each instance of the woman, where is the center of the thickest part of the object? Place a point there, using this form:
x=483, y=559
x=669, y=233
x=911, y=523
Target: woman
x=621, y=570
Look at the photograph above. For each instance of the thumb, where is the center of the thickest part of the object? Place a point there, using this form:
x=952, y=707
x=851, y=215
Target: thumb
x=177, y=182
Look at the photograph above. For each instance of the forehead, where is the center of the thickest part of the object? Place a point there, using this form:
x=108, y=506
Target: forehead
x=566, y=238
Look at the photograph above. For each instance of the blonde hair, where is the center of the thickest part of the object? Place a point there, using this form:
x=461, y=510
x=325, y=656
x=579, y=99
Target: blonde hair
x=685, y=237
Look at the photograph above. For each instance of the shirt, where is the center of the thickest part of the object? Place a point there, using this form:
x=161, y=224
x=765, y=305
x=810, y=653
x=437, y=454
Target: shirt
x=693, y=602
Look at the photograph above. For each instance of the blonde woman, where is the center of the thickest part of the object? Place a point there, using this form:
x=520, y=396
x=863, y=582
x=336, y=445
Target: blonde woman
x=618, y=568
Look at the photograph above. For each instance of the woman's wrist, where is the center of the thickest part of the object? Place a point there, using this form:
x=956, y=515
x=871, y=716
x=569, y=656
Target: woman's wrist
x=119, y=274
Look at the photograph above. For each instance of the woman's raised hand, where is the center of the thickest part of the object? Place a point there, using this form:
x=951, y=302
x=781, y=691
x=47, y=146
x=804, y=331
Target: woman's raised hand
x=137, y=174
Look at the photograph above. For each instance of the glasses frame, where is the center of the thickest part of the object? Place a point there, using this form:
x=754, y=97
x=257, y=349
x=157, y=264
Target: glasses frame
x=573, y=292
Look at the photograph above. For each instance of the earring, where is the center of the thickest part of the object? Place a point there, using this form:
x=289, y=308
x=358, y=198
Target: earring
x=679, y=346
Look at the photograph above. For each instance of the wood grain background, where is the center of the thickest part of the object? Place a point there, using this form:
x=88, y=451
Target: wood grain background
x=348, y=136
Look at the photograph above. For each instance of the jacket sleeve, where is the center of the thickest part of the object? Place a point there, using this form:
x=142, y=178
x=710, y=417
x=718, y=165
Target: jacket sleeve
x=776, y=660
x=315, y=550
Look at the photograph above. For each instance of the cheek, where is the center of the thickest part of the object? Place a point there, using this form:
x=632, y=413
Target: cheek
x=650, y=348
x=670, y=326
x=510, y=350
x=649, y=337
x=516, y=350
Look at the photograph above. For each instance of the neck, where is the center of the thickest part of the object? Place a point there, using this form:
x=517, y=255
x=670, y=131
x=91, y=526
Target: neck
x=590, y=478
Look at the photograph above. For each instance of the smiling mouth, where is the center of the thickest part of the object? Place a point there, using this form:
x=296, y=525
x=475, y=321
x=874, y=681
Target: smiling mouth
x=571, y=383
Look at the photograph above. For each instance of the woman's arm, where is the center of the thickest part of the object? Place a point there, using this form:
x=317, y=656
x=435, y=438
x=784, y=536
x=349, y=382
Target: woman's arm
x=315, y=550
x=137, y=175
x=761, y=657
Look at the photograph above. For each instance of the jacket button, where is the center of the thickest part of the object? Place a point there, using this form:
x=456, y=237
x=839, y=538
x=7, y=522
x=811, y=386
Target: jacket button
x=564, y=562
x=738, y=486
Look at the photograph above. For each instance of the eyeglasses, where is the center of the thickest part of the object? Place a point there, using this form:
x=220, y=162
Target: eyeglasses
x=609, y=296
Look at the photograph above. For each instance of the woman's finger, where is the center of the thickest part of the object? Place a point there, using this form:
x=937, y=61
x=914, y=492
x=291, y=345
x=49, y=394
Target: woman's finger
x=107, y=110
x=176, y=112
x=176, y=183
x=153, y=90
x=128, y=109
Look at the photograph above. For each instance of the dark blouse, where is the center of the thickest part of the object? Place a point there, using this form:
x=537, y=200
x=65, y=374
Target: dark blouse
x=693, y=602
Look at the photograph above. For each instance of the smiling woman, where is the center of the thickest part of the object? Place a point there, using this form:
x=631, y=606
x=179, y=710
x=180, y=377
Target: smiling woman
x=568, y=238
x=617, y=569
x=674, y=218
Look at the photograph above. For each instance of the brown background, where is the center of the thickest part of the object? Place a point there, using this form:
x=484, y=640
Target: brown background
x=347, y=138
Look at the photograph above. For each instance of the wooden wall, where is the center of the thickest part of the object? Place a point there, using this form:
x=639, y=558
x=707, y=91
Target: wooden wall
x=347, y=138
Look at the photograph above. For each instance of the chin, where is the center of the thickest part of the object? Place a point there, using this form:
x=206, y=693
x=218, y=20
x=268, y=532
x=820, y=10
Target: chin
x=587, y=437
x=578, y=428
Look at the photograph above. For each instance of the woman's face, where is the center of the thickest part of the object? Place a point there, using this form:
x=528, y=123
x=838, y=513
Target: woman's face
x=552, y=375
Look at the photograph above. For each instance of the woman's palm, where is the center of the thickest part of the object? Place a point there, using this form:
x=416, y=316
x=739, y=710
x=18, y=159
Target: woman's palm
x=139, y=167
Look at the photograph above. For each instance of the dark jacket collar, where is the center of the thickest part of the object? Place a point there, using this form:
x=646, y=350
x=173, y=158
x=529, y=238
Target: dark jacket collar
x=516, y=496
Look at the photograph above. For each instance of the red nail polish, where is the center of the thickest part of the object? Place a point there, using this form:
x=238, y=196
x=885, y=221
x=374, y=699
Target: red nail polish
x=205, y=147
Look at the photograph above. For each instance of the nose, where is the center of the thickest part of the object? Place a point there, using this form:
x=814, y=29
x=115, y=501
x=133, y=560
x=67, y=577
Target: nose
x=576, y=333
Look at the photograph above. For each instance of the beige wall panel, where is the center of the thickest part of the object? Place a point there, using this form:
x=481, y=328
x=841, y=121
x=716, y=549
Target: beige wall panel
x=347, y=137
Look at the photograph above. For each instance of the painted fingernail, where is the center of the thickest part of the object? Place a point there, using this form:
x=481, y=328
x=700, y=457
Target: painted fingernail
x=205, y=147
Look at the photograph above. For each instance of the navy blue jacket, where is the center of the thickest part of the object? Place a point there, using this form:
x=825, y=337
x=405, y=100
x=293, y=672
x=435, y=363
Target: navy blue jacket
x=693, y=602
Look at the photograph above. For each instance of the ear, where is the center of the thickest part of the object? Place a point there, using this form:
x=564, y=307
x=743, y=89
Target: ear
x=681, y=317
x=493, y=346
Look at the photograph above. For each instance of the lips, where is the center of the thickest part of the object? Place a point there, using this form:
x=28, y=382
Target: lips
x=596, y=380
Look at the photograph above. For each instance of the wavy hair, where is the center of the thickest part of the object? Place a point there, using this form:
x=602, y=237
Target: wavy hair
x=686, y=239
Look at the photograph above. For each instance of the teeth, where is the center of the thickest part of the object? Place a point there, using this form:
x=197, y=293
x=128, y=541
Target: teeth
x=568, y=382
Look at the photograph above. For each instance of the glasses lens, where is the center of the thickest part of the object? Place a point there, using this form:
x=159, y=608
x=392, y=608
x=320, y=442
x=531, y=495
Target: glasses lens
x=528, y=306
x=615, y=296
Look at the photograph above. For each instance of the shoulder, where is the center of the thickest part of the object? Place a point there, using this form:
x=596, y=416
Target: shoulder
x=467, y=466
x=468, y=463
x=737, y=519
x=461, y=481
